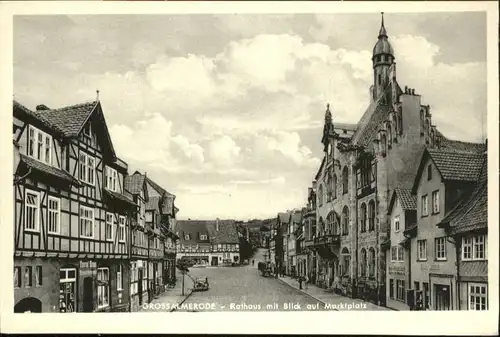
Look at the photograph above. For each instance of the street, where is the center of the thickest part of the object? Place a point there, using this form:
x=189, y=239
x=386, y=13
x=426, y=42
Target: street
x=242, y=288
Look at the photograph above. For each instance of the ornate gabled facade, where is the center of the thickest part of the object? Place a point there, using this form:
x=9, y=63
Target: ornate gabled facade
x=71, y=212
x=362, y=165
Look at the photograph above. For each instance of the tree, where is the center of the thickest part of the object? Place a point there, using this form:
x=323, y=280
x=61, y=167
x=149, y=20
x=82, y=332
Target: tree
x=247, y=250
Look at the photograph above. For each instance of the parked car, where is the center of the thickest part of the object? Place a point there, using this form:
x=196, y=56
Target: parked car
x=201, y=284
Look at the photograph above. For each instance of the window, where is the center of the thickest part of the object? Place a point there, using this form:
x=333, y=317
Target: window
x=86, y=166
x=54, y=215
x=86, y=130
x=86, y=222
x=67, y=283
x=121, y=229
x=379, y=79
x=435, y=202
x=371, y=265
x=371, y=215
x=425, y=211
x=429, y=172
x=478, y=296
x=334, y=186
x=363, y=217
x=38, y=276
x=467, y=248
x=391, y=288
x=397, y=254
x=119, y=278
x=345, y=180
x=400, y=295
x=440, y=247
x=109, y=227
x=111, y=179
x=320, y=195
x=422, y=249
x=28, y=276
x=39, y=145
x=363, y=262
x=397, y=228
x=17, y=277
x=479, y=248
x=345, y=221
x=102, y=287
x=31, y=211
x=187, y=237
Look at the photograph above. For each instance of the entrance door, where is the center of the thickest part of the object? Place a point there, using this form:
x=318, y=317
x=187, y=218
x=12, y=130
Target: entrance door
x=215, y=261
x=442, y=297
x=29, y=304
x=139, y=285
x=88, y=292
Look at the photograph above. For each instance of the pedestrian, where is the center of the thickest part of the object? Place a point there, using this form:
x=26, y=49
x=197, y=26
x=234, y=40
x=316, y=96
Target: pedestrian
x=300, y=282
x=306, y=281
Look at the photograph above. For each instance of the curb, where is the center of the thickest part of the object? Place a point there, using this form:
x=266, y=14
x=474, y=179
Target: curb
x=303, y=292
x=184, y=300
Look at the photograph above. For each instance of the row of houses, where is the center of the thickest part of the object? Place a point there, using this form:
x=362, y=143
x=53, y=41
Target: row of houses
x=208, y=242
x=88, y=236
x=397, y=212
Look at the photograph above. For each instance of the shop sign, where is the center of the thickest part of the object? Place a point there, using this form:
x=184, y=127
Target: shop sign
x=88, y=265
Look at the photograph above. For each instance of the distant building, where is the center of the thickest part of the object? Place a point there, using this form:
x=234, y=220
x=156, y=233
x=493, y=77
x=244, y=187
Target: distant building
x=208, y=242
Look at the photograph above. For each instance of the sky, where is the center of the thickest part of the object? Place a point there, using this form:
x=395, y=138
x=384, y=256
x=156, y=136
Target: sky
x=226, y=111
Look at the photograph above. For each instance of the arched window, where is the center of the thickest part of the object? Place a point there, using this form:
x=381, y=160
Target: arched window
x=363, y=217
x=371, y=215
x=383, y=143
x=330, y=221
x=320, y=195
x=345, y=221
x=345, y=180
x=422, y=119
x=334, y=186
x=362, y=264
x=346, y=262
x=371, y=262
x=329, y=187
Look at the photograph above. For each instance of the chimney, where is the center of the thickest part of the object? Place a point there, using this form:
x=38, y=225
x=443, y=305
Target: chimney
x=42, y=107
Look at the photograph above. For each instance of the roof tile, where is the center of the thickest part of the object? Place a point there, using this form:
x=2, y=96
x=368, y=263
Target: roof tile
x=460, y=166
x=407, y=200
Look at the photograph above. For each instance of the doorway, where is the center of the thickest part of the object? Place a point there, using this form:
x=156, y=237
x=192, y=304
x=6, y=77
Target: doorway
x=215, y=261
x=139, y=285
x=28, y=304
x=88, y=292
x=442, y=297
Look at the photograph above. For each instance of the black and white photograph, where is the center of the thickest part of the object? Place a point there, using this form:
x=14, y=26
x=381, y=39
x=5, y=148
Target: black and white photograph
x=311, y=162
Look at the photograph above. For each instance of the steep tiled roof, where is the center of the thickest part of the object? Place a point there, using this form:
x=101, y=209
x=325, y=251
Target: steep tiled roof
x=47, y=169
x=227, y=232
x=296, y=217
x=134, y=183
x=194, y=228
x=407, y=200
x=19, y=108
x=284, y=217
x=460, y=166
x=369, y=132
x=459, y=146
x=472, y=211
x=153, y=203
x=69, y=119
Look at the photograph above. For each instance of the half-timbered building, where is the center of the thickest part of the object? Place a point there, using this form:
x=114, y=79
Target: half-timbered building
x=71, y=212
x=139, y=249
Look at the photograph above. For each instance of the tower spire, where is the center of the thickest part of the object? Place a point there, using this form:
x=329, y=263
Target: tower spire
x=382, y=31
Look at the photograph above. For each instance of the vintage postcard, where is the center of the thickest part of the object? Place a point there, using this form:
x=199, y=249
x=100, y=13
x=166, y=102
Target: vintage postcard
x=250, y=167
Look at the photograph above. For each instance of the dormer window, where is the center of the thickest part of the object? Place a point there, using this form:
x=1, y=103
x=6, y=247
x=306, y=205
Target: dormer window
x=111, y=179
x=39, y=145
